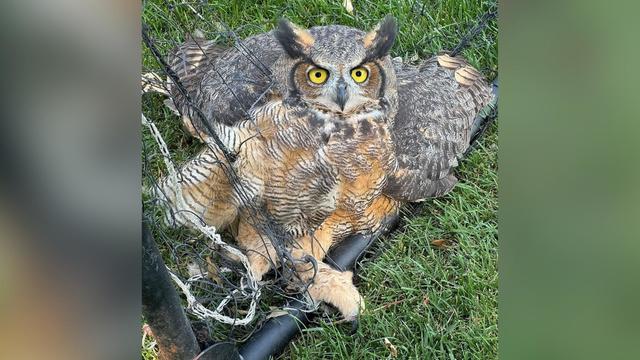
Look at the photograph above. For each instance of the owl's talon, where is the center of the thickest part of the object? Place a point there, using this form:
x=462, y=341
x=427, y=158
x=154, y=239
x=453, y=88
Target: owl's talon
x=336, y=288
x=355, y=324
x=259, y=266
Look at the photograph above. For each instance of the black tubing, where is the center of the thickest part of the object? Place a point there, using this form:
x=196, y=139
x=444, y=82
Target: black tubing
x=484, y=118
x=161, y=305
x=276, y=333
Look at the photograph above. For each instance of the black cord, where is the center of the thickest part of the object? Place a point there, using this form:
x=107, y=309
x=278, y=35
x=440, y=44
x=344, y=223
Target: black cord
x=480, y=25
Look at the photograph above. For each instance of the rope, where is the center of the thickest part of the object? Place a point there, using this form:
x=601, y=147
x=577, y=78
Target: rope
x=248, y=284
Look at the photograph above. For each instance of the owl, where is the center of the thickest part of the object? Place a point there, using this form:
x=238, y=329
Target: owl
x=329, y=137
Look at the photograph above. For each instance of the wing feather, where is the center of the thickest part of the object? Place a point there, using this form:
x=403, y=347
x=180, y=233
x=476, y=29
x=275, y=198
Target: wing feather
x=438, y=102
x=223, y=83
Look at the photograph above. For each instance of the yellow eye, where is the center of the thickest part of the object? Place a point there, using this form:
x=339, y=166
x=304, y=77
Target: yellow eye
x=359, y=74
x=318, y=75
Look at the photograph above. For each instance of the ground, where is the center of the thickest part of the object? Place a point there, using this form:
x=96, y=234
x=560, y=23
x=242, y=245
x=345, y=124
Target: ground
x=432, y=292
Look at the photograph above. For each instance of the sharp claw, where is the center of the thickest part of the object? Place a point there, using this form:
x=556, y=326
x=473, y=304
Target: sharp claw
x=355, y=323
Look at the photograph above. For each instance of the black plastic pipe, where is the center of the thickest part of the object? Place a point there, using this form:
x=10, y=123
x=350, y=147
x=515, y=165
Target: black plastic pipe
x=161, y=306
x=276, y=333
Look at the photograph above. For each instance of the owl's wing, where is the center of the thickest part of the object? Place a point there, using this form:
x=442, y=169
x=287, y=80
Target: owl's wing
x=438, y=102
x=191, y=59
x=224, y=84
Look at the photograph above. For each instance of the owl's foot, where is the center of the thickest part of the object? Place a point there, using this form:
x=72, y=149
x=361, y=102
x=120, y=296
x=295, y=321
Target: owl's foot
x=336, y=288
x=260, y=252
x=354, y=326
x=259, y=265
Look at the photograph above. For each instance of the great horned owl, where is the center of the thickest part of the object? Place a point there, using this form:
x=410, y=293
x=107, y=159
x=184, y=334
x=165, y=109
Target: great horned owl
x=330, y=136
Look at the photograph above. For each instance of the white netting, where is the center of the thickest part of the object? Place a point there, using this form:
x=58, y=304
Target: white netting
x=248, y=287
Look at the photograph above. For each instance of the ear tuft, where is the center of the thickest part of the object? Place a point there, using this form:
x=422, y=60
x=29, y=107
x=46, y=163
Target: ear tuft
x=295, y=40
x=379, y=41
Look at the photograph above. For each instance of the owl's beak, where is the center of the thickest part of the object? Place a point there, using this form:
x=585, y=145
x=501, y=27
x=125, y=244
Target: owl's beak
x=341, y=94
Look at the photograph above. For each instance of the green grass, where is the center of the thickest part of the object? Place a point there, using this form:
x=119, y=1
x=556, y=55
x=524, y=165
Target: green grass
x=430, y=302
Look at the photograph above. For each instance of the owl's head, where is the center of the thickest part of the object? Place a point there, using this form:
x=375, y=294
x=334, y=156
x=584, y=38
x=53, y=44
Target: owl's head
x=338, y=69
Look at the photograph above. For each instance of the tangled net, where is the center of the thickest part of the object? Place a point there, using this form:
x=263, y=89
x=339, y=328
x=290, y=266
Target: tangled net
x=213, y=275
x=222, y=297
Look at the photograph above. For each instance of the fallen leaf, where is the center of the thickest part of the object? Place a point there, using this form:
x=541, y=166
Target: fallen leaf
x=213, y=272
x=439, y=243
x=392, y=348
x=348, y=6
x=425, y=300
x=276, y=313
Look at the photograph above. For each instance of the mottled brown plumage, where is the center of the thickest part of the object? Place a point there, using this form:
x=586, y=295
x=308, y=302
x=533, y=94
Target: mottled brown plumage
x=327, y=157
x=433, y=125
